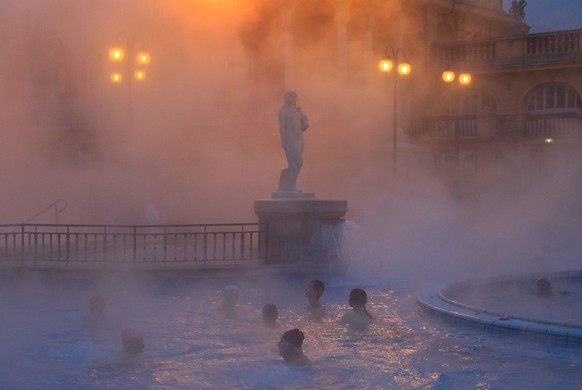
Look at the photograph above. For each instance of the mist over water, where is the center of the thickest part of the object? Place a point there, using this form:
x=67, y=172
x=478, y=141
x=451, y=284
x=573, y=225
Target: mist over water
x=204, y=141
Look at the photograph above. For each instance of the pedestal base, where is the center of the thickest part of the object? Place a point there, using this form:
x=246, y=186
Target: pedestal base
x=293, y=195
x=298, y=230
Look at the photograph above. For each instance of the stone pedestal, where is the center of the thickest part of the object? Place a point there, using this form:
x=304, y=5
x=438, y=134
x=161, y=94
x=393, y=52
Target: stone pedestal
x=298, y=227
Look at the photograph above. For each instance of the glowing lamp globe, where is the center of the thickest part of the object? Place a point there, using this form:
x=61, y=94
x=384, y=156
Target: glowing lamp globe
x=385, y=65
x=139, y=75
x=448, y=76
x=404, y=68
x=116, y=54
x=116, y=77
x=465, y=78
x=143, y=58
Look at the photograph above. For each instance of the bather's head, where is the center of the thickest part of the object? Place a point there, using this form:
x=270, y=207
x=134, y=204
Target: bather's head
x=544, y=287
x=358, y=298
x=290, y=343
x=314, y=291
x=231, y=295
x=290, y=348
x=132, y=342
x=270, y=313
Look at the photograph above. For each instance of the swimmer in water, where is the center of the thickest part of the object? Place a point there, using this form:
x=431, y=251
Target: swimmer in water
x=230, y=295
x=313, y=293
x=544, y=287
x=358, y=316
x=132, y=343
x=291, y=348
x=270, y=315
x=96, y=319
x=130, y=355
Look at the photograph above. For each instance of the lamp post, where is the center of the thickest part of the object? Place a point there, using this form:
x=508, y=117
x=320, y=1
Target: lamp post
x=129, y=64
x=465, y=78
x=395, y=58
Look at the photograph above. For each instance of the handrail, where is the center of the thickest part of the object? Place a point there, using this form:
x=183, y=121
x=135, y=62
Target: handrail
x=195, y=245
x=58, y=210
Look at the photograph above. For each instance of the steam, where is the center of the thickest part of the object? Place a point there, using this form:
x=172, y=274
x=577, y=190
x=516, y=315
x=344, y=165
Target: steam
x=203, y=142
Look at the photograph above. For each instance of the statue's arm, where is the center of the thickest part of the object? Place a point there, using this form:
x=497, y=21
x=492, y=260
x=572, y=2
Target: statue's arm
x=304, y=121
x=282, y=128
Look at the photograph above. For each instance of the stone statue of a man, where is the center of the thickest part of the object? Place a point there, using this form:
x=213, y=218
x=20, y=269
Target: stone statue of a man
x=292, y=124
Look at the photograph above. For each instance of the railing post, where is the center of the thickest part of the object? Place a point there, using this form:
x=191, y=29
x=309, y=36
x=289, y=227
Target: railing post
x=205, y=246
x=134, y=245
x=166, y=245
x=104, y=246
x=68, y=245
x=22, y=244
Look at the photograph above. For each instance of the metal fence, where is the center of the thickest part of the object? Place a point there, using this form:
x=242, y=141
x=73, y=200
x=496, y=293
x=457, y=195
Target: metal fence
x=108, y=245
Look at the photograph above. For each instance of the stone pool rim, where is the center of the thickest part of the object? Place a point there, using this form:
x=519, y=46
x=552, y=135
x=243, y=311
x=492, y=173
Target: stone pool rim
x=435, y=301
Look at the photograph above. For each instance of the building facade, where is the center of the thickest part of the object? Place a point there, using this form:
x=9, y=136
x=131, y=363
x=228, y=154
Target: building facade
x=524, y=98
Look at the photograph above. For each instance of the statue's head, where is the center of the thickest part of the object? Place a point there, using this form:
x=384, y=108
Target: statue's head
x=290, y=98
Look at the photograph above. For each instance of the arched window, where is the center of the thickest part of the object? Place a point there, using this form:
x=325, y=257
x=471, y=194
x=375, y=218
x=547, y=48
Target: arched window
x=553, y=110
x=553, y=97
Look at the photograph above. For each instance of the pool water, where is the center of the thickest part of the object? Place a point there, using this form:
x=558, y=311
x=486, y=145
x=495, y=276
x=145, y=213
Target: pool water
x=47, y=341
x=519, y=298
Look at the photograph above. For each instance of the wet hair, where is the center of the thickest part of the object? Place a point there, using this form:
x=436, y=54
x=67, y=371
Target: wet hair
x=96, y=304
x=231, y=293
x=294, y=337
x=270, y=312
x=359, y=298
x=544, y=286
x=318, y=286
x=132, y=341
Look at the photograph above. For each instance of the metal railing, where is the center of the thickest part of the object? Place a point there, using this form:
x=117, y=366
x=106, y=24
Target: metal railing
x=551, y=125
x=451, y=126
x=108, y=245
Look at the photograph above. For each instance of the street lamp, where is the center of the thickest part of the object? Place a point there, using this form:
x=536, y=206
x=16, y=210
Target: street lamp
x=464, y=79
x=395, y=57
x=128, y=70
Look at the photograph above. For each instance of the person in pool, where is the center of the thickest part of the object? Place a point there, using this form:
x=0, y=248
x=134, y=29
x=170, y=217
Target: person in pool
x=230, y=299
x=544, y=287
x=96, y=320
x=132, y=343
x=313, y=293
x=358, y=316
x=291, y=348
x=270, y=315
x=130, y=355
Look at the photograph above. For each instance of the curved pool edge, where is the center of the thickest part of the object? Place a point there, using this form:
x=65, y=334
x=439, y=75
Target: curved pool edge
x=434, y=302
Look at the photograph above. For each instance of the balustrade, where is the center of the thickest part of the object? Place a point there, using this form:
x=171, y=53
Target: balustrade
x=194, y=245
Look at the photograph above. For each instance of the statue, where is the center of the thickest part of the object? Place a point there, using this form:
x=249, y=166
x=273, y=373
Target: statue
x=292, y=124
x=517, y=9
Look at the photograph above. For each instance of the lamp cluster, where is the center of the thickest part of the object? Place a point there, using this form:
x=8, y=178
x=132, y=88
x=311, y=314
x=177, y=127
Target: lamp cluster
x=117, y=55
x=403, y=67
x=449, y=76
x=395, y=57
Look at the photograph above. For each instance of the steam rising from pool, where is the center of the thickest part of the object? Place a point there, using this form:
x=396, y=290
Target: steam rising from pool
x=189, y=343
